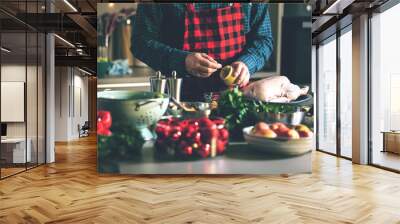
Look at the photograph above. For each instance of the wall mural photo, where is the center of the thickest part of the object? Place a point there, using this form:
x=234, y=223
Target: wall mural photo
x=204, y=88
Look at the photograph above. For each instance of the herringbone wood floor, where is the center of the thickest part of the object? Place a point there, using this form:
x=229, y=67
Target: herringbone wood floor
x=71, y=191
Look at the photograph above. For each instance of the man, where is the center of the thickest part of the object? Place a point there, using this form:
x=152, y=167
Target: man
x=197, y=40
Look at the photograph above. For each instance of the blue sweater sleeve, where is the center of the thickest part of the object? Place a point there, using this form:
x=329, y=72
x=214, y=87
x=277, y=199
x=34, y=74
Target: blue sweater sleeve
x=259, y=41
x=146, y=44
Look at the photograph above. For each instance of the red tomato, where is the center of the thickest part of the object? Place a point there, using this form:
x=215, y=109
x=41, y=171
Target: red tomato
x=188, y=150
x=224, y=134
x=159, y=128
x=221, y=145
x=104, y=122
x=184, y=124
x=177, y=128
x=197, y=137
x=205, y=150
x=104, y=117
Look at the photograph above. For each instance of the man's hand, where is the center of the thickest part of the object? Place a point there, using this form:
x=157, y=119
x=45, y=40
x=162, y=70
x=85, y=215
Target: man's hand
x=241, y=73
x=201, y=65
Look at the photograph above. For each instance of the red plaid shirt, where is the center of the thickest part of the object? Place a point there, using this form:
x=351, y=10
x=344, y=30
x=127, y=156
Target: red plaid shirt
x=160, y=32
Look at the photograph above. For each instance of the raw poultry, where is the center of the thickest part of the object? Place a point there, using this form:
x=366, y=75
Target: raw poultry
x=274, y=89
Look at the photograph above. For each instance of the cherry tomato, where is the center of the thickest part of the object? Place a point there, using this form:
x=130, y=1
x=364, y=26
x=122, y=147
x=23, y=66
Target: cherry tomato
x=104, y=117
x=221, y=145
x=188, y=150
x=104, y=122
x=190, y=131
x=197, y=137
x=176, y=136
x=205, y=150
x=176, y=128
x=223, y=134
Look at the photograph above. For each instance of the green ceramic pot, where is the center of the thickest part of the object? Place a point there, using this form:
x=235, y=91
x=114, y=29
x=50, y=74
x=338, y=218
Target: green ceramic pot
x=140, y=109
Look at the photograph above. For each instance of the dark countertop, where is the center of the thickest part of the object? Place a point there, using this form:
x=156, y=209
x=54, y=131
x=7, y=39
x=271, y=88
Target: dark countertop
x=238, y=159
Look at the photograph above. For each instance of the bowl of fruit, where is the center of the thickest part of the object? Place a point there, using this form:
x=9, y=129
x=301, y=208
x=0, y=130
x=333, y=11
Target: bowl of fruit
x=191, y=138
x=279, y=138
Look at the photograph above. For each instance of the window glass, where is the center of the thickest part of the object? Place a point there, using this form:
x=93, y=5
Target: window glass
x=327, y=96
x=385, y=84
x=15, y=149
x=346, y=94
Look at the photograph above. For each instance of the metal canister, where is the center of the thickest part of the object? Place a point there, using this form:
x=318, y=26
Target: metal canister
x=174, y=86
x=158, y=83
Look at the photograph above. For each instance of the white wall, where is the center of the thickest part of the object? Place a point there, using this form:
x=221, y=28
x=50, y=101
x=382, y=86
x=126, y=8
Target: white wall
x=33, y=127
x=61, y=103
x=14, y=73
x=71, y=102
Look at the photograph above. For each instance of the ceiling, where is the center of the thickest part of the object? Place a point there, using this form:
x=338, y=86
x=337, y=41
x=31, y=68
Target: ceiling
x=72, y=20
x=330, y=15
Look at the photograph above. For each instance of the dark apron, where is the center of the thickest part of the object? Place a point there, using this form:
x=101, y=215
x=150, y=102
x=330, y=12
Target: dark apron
x=218, y=33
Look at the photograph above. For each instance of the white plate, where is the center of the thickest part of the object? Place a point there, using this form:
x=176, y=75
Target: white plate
x=279, y=145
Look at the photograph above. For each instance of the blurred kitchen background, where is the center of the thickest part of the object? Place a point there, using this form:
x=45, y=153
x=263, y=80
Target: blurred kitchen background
x=114, y=27
x=355, y=73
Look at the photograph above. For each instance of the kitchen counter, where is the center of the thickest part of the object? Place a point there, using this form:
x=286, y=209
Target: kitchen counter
x=239, y=158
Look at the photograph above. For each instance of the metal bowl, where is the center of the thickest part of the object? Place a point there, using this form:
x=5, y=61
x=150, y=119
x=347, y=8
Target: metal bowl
x=140, y=109
x=294, y=118
x=201, y=109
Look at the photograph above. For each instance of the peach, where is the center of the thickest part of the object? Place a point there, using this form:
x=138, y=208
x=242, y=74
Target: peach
x=262, y=131
x=282, y=130
x=277, y=125
x=261, y=126
x=305, y=134
x=302, y=127
x=292, y=134
x=269, y=133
